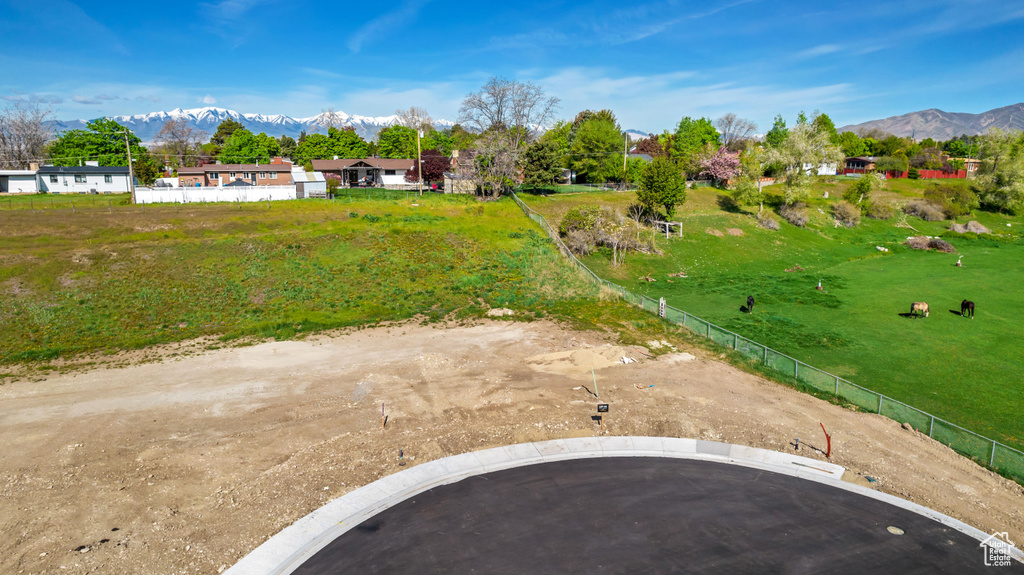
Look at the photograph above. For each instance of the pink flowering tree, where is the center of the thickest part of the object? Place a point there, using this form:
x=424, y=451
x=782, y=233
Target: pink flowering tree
x=721, y=166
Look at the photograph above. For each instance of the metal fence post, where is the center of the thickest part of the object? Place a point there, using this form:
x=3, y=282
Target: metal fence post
x=992, y=460
x=837, y=385
x=709, y=331
x=661, y=308
x=735, y=341
x=766, y=355
x=796, y=369
x=880, y=396
x=931, y=427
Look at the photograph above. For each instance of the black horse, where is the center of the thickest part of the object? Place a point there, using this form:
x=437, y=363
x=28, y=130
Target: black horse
x=750, y=304
x=967, y=309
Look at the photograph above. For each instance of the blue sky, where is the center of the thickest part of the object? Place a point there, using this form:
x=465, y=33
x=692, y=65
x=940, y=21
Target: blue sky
x=650, y=62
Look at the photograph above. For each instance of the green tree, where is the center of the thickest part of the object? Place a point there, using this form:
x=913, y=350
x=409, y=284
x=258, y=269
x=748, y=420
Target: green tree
x=661, y=185
x=690, y=140
x=101, y=140
x=823, y=124
x=224, y=131
x=595, y=150
x=244, y=147
x=287, y=144
x=859, y=193
x=440, y=140
x=804, y=150
x=396, y=142
x=542, y=164
x=852, y=145
x=777, y=135
x=749, y=188
x=346, y=143
x=1001, y=178
x=634, y=170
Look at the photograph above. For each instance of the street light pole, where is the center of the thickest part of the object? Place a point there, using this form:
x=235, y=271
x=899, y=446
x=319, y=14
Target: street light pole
x=131, y=171
x=419, y=160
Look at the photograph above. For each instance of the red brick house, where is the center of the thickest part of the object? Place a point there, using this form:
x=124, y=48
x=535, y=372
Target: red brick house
x=276, y=173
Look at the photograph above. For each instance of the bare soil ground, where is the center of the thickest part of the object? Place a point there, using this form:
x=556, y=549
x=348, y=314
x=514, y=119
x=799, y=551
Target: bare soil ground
x=185, y=466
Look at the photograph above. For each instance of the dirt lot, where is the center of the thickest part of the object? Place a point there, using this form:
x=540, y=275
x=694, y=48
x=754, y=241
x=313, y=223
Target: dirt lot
x=184, y=466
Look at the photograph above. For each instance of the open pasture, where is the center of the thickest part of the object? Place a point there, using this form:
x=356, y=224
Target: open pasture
x=120, y=277
x=967, y=371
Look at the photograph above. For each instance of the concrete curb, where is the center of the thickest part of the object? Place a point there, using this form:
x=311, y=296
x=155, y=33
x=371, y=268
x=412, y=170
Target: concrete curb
x=287, y=550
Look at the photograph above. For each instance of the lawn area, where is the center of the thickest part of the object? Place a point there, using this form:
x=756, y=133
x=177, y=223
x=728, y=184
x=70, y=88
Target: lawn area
x=117, y=277
x=968, y=372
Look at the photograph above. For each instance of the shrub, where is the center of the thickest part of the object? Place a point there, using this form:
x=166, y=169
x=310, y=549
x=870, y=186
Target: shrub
x=846, y=214
x=579, y=218
x=795, y=214
x=925, y=210
x=878, y=211
x=581, y=242
x=941, y=245
x=918, y=243
x=971, y=227
x=956, y=199
x=767, y=221
x=913, y=174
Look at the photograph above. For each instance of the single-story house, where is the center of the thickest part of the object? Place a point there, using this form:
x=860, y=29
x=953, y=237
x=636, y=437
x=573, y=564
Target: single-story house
x=309, y=184
x=88, y=179
x=366, y=171
x=18, y=182
x=276, y=173
x=860, y=165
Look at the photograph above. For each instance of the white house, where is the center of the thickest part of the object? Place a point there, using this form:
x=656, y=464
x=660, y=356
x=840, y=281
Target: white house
x=83, y=179
x=18, y=182
x=366, y=171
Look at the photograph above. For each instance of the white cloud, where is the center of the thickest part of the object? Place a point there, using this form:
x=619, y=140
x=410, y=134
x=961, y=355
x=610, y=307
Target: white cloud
x=821, y=50
x=392, y=21
x=87, y=101
x=208, y=100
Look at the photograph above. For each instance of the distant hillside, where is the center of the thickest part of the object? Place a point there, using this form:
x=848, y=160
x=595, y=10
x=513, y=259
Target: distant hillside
x=941, y=125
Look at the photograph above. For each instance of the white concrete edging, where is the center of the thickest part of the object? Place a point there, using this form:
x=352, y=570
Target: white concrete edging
x=287, y=550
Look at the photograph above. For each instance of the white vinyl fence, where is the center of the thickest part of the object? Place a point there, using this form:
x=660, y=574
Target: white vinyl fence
x=214, y=194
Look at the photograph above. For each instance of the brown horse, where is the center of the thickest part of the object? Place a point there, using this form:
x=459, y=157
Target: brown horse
x=919, y=306
x=967, y=307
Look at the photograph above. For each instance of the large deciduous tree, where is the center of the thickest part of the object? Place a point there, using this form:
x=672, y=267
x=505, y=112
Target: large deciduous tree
x=542, y=164
x=661, y=185
x=435, y=163
x=508, y=114
x=734, y=131
x=1002, y=171
x=24, y=131
x=804, y=149
x=102, y=140
x=180, y=142
x=777, y=135
x=596, y=149
x=244, y=147
x=344, y=143
x=721, y=166
x=396, y=142
x=749, y=188
x=690, y=140
x=416, y=118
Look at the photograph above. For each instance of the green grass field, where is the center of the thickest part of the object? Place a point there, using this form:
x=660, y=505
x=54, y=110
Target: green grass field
x=968, y=372
x=111, y=278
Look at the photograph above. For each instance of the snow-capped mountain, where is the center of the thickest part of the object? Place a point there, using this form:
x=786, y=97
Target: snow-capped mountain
x=146, y=126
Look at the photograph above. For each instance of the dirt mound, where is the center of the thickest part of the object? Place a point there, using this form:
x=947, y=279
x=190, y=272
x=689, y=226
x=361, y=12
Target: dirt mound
x=734, y=232
x=579, y=360
x=714, y=232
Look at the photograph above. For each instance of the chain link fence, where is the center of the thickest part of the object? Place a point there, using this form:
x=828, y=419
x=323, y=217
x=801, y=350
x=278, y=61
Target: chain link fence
x=995, y=455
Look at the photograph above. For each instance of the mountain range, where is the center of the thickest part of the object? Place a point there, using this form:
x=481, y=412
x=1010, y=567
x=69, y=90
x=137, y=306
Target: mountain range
x=942, y=125
x=146, y=126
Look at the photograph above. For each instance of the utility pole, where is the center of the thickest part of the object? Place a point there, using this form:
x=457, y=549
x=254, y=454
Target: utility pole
x=419, y=159
x=131, y=172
